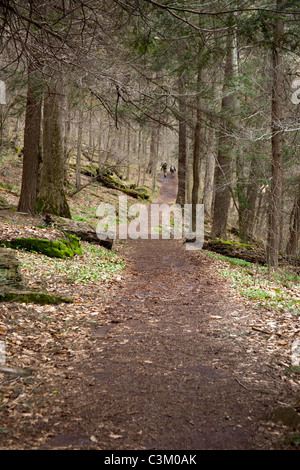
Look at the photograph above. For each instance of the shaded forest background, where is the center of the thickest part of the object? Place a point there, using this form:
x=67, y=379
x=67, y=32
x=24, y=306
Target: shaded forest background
x=123, y=85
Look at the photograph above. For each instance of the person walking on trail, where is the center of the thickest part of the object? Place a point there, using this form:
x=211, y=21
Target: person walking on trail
x=172, y=169
x=164, y=168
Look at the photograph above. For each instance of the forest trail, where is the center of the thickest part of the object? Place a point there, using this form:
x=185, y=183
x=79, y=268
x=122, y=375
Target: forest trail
x=144, y=344
x=176, y=373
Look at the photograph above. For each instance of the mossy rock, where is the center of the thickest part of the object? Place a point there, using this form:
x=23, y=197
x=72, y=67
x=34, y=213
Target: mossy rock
x=27, y=296
x=286, y=415
x=55, y=249
x=10, y=274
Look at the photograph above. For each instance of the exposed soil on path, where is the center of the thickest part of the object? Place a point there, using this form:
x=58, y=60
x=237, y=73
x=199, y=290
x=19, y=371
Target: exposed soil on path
x=173, y=369
x=175, y=373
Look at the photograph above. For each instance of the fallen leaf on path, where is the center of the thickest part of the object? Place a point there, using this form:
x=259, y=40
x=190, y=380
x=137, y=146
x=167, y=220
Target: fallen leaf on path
x=115, y=436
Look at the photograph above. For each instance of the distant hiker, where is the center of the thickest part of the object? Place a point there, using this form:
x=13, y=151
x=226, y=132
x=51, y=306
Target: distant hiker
x=172, y=169
x=164, y=168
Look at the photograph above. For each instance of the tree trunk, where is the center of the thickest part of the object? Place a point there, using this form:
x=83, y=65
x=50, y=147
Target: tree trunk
x=277, y=173
x=67, y=132
x=51, y=198
x=153, y=139
x=32, y=143
x=223, y=170
x=244, y=196
x=139, y=156
x=247, y=204
x=79, y=147
x=128, y=154
x=196, y=155
x=100, y=147
x=182, y=144
x=292, y=245
x=144, y=160
x=154, y=153
x=207, y=198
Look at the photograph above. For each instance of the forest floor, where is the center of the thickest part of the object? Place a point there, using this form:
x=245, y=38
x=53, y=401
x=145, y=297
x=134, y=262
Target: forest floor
x=164, y=356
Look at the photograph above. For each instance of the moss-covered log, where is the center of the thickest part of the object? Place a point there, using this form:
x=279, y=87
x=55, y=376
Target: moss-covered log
x=112, y=179
x=27, y=296
x=61, y=248
x=236, y=250
x=110, y=182
x=81, y=230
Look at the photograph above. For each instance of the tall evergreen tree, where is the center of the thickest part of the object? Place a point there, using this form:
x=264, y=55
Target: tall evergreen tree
x=277, y=136
x=51, y=196
x=223, y=169
x=32, y=141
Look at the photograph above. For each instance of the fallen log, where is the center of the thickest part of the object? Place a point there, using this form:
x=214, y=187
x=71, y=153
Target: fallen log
x=236, y=250
x=81, y=230
x=110, y=178
x=26, y=296
x=66, y=247
x=17, y=371
x=110, y=182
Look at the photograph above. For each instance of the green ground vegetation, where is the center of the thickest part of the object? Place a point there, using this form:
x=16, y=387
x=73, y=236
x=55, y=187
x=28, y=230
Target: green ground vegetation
x=94, y=265
x=270, y=288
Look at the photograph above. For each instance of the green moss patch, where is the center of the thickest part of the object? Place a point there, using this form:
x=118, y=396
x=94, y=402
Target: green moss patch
x=110, y=182
x=247, y=246
x=236, y=250
x=25, y=296
x=55, y=249
x=286, y=415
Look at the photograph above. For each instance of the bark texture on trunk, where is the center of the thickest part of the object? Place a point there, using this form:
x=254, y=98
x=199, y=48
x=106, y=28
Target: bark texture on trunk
x=223, y=169
x=277, y=172
x=196, y=155
x=182, y=144
x=292, y=245
x=51, y=197
x=32, y=143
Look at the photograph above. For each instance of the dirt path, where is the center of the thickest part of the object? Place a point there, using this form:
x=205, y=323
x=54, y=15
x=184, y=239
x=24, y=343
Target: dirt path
x=173, y=370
